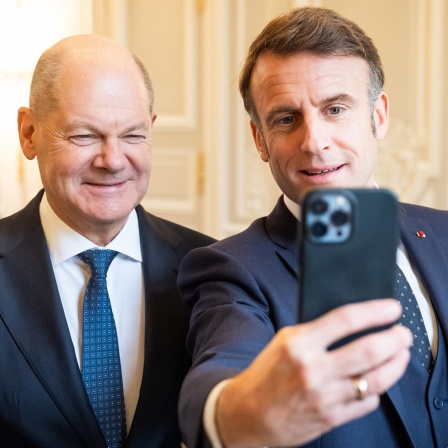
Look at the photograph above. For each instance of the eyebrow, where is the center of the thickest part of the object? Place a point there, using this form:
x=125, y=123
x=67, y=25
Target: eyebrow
x=71, y=127
x=344, y=97
x=140, y=126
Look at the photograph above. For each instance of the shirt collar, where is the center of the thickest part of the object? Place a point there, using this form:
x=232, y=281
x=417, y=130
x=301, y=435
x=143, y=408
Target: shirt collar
x=294, y=208
x=64, y=242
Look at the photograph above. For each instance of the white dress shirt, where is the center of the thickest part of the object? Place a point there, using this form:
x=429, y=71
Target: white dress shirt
x=125, y=286
x=421, y=296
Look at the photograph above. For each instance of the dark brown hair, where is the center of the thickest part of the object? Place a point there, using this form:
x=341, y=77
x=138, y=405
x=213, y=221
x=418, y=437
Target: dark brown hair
x=318, y=31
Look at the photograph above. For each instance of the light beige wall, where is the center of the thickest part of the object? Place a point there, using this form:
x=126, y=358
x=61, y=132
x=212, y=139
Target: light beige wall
x=443, y=197
x=27, y=28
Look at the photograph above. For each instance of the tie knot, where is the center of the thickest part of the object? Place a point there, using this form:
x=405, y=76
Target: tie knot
x=99, y=260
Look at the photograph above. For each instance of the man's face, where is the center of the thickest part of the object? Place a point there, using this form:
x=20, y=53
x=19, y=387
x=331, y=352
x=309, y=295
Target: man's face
x=315, y=125
x=94, y=150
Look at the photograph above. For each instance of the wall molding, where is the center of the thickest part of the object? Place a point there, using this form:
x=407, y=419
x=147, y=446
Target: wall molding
x=421, y=141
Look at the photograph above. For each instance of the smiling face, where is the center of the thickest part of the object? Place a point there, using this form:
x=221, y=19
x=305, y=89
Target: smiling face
x=94, y=149
x=315, y=123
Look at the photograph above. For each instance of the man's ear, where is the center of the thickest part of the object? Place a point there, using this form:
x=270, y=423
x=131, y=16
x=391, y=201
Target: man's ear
x=381, y=115
x=27, y=132
x=259, y=142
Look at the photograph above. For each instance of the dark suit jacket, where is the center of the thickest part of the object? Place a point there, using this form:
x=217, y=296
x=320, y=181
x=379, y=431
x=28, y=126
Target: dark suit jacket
x=245, y=288
x=43, y=402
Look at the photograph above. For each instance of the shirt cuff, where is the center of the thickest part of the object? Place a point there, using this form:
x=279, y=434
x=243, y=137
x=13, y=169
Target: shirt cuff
x=208, y=418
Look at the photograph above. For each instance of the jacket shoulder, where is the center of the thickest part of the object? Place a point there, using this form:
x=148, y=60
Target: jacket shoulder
x=425, y=213
x=173, y=232
x=13, y=228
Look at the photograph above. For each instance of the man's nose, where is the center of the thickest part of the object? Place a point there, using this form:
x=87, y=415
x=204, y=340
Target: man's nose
x=314, y=135
x=111, y=155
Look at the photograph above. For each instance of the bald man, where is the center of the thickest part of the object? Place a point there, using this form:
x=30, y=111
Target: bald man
x=89, y=125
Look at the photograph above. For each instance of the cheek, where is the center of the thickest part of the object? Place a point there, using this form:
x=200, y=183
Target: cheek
x=139, y=168
x=367, y=160
x=142, y=161
x=60, y=171
x=284, y=153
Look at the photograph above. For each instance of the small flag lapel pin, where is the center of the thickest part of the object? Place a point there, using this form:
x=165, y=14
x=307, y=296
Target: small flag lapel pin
x=421, y=234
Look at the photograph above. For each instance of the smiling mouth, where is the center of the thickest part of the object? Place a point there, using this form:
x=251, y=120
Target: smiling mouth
x=316, y=173
x=100, y=184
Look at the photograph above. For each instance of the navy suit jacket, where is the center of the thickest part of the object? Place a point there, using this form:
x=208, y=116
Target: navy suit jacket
x=43, y=402
x=245, y=288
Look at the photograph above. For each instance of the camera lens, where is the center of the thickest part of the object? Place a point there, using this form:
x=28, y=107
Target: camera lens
x=339, y=218
x=319, y=207
x=318, y=229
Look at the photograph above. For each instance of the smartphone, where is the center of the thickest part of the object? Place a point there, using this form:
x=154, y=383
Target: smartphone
x=348, y=248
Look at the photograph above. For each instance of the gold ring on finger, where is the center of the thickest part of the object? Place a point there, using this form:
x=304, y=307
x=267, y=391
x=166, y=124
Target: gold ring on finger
x=361, y=387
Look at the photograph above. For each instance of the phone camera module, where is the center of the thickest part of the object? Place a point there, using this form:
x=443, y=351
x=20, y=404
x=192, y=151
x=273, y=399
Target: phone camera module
x=328, y=217
x=339, y=218
x=319, y=207
x=318, y=229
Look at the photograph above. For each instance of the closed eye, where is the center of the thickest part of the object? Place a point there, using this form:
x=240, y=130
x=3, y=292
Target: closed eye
x=84, y=139
x=134, y=138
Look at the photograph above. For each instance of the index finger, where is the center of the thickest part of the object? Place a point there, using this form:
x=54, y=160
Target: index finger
x=352, y=318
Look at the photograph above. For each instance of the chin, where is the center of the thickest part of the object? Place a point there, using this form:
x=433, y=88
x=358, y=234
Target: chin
x=108, y=215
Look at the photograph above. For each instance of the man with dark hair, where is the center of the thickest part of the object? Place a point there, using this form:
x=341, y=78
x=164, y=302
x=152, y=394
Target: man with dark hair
x=92, y=328
x=312, y=84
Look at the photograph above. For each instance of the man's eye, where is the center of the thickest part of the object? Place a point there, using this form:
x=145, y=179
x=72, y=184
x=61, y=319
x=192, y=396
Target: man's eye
x=83, y=139
x=335, y=110
x=287, y=120
x=134, y=138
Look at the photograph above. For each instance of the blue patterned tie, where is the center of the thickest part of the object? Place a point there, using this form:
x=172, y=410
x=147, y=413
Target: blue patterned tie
x=101, y=368
x=412, y=318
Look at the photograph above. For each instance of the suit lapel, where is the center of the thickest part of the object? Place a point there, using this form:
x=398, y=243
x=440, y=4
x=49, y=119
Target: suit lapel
x=284, y=230
x=166, y=326
x=427, y=256
x=36, y=320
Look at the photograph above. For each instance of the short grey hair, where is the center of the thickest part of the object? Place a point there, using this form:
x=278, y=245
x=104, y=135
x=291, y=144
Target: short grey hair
x=44, y=91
